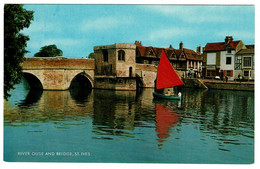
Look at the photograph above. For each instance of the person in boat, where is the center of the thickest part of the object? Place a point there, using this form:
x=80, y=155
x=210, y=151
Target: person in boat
x=165, y=91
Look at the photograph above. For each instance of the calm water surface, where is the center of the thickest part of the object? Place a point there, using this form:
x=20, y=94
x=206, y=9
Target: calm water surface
x=211, y=126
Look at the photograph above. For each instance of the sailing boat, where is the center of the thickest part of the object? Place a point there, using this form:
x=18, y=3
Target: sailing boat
x=166, y=79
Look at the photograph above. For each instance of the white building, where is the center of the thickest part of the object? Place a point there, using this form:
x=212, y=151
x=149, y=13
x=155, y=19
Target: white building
x=219, y=58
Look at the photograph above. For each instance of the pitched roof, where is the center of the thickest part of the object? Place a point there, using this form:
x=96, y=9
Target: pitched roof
x=250, y=46
x=189, y=54
x=220, y=46
x=246, y=51
x=141, y=50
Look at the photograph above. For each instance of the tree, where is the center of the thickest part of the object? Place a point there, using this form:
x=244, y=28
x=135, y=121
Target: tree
x=49, y=51
x=91, y=55
x=16, y=18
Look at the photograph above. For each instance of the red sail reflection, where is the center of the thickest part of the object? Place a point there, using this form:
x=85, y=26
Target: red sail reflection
x=165, y=119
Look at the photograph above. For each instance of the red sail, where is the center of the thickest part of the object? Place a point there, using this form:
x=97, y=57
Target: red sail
x=166, y=76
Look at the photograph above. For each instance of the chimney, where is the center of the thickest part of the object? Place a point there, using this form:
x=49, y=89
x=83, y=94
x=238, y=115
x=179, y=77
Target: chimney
x=198, y=49
x=138, y=43
x=181, y=46
x=228, y=39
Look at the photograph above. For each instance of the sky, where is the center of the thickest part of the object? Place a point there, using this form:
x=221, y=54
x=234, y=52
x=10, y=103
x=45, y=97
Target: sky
x=76, y=29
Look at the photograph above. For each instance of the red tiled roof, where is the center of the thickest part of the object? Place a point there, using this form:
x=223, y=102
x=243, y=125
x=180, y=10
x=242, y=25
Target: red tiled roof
x=141, y=50
x=220, y=46
x=191, y=54
x=169, y=52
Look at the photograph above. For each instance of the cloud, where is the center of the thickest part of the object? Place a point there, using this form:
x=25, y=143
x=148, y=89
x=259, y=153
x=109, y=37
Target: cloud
x=105, y=23
x=169, y=33
x=191, y=13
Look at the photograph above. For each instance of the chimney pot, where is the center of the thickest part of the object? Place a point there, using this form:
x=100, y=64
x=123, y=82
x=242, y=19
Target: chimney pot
x=181, y=46
x=228, y=39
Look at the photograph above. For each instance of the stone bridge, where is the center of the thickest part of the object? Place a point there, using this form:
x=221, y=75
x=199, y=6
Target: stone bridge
x=58, y=73
x=61, y=73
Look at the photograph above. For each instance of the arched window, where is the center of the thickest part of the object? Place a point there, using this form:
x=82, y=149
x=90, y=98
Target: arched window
x=121, y=55
x=105, y=55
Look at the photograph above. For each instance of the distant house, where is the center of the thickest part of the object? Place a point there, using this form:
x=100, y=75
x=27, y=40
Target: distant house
x=219, y=58
x=182, y=59
x=244, y=63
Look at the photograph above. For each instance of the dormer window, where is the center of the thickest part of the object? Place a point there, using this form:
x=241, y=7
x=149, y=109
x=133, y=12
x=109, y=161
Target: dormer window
x=121, y=55
x=151, y=52
x=229, y=49
x=173, y=55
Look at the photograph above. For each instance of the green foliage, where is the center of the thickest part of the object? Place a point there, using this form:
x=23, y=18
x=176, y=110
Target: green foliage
x=49, y=51
x=16, y=18
x=91, y=55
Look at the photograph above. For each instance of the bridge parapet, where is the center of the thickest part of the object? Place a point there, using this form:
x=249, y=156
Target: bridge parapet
x=57, y=63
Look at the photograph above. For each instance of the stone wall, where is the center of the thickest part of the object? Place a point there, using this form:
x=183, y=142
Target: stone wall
x=230, y=86
x=57, y=73
x=115, y=83
x=112, y=66
x=193, y=83
x=147, y=74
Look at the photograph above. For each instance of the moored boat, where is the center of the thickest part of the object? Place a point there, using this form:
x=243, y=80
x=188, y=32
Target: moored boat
x=166, y=79
x=164, y=96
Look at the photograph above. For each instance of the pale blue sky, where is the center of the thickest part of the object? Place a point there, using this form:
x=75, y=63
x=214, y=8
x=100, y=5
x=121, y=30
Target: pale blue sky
x=76, y=29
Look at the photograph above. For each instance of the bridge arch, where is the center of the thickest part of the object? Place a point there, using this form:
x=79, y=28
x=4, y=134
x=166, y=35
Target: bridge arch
x=33, y=80
x=81, y=80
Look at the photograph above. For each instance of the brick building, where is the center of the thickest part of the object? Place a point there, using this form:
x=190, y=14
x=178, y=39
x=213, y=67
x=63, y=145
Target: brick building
x=182, y=59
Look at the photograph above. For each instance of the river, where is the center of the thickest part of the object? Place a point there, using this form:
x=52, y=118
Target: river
x=206, y=127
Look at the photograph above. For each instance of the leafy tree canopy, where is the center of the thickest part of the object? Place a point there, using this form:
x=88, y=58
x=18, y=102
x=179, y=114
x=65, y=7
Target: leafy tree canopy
x=16, y=18
x=49, y=51
x=91, y=55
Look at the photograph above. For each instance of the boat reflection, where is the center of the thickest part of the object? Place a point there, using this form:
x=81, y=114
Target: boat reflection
x=165, y=119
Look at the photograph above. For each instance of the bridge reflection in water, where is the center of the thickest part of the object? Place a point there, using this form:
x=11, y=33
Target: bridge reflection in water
x=209, y=121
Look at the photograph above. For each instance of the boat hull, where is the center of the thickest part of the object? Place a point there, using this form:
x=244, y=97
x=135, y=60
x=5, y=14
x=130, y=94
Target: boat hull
x=161, y=96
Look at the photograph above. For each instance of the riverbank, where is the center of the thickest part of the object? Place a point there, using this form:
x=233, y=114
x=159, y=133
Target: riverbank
x=219, y=84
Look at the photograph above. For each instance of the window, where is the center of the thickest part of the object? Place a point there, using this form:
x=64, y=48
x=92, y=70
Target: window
x=238, y=63
x=211, y=73
x=246, y=73
x=228, y=60
x=121, y=55
x=247, y=61
x=146, y=62
x=211, y=58
x=105, y=55
x=229, y=50
x=228, y=72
